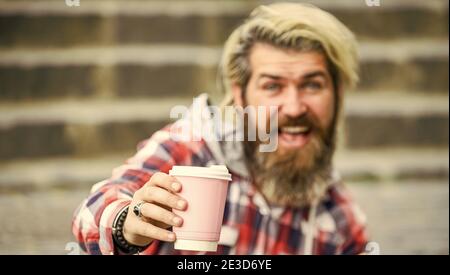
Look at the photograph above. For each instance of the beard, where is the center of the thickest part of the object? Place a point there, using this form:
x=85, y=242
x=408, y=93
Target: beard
x=293, y=177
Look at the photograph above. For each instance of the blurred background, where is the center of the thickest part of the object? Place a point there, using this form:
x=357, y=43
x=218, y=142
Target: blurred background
x=80, y=86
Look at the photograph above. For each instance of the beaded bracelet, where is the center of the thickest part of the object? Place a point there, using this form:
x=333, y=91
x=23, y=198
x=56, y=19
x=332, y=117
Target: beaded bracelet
x=118, y=237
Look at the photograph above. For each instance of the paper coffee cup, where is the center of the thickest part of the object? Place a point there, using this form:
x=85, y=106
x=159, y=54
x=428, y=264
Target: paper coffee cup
x=205, y=189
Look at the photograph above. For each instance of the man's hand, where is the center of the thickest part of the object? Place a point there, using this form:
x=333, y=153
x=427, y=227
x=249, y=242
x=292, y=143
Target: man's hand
x=159, y=197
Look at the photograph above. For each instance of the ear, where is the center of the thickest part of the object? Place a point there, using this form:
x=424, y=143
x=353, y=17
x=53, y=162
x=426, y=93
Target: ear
x=237, y=95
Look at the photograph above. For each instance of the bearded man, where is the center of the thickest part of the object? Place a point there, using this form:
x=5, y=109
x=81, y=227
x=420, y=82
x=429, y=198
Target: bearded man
x=295, y=58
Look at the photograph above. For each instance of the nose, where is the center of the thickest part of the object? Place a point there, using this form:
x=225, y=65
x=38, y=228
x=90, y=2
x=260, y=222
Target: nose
x=293, y=104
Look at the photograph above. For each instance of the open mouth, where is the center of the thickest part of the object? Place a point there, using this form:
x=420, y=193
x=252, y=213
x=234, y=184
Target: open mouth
x=294, y=136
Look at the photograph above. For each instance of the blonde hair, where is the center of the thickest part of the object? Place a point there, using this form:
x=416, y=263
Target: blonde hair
x=297, y=26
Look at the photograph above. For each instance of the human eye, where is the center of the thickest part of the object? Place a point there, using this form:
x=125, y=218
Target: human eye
x=272, y=87
x=313, y=86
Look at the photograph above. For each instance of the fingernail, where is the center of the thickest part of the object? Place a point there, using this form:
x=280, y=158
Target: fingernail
x=171, y=236
x=176, y=186
x=181, y=204
x=176, y=220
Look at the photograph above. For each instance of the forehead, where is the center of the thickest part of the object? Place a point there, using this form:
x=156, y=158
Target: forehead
x=265, y=58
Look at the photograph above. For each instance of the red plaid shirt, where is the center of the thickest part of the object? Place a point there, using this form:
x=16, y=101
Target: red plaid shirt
x=250, y=226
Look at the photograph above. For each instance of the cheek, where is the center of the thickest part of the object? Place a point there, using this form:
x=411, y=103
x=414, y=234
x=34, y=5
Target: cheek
x=323, y=108
x=257, y=99
x=253, y=97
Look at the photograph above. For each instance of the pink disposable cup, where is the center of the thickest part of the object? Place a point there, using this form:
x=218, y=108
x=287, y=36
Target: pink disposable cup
x=205, y=189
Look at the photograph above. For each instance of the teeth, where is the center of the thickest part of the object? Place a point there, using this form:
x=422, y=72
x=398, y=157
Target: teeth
x=294, y=129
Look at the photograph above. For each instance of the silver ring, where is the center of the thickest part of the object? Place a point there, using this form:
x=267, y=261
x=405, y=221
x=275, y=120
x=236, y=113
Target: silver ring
x=137, y=209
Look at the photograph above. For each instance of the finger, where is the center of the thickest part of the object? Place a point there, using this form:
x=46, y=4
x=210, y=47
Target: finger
x=164, y=197
x=148, y=230
x=157, y=213
x=165, y=181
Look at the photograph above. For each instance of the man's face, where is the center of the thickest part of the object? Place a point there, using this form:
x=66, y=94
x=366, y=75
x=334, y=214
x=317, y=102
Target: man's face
x=300, y=86
x=298, y=83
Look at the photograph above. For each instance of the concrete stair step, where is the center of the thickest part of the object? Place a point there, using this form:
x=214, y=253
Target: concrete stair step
x=409, y=217
x=393, y=164
x=52, y=23
x=49, y=229
x=80, y=128
x=131, y=71
x=182, y=70
x=396, y=119
x=401, y=164
x=57, y=173
x=90, y=128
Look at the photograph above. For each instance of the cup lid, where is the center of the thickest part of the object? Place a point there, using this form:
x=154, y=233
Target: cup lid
x=195, y=245
x=213, y=172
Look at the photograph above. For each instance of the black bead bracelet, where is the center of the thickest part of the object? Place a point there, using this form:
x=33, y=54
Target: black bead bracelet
x=118, y=237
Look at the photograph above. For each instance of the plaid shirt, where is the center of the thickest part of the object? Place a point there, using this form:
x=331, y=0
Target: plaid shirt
x=250, y=226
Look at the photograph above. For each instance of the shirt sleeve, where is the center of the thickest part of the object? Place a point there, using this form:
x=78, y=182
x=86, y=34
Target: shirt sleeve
x=356, y=234
x=93, y=219
x=353, y=222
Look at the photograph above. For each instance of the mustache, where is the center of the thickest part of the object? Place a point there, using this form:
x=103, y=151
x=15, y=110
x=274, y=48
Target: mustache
x=305, y=120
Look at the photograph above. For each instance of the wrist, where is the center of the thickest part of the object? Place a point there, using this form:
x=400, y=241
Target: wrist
x=118, y=235
x=136, y=240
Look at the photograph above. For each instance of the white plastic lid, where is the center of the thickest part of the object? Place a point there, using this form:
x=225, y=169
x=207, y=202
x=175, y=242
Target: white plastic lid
x=214, y=172
x=195, y=245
